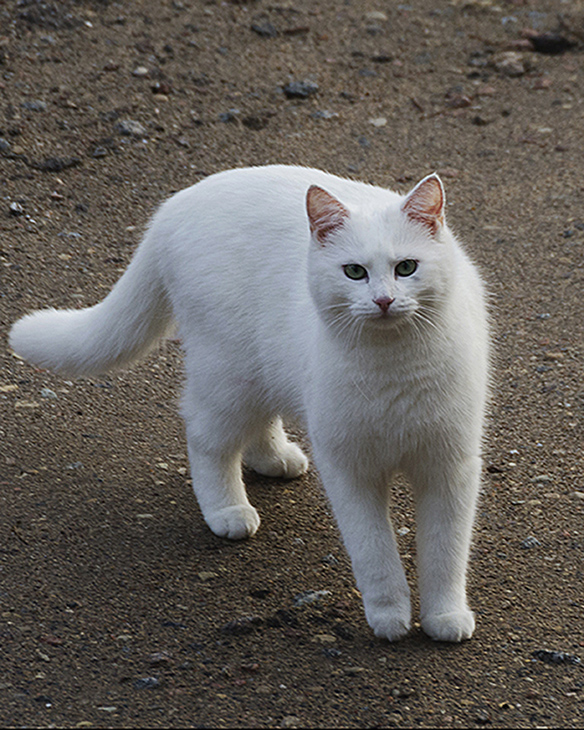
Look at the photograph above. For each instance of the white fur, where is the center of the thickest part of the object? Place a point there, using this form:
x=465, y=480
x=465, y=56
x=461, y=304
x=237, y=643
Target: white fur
x=272, y=327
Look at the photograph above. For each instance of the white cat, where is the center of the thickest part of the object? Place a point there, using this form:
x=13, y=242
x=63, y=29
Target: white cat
x=343, y=305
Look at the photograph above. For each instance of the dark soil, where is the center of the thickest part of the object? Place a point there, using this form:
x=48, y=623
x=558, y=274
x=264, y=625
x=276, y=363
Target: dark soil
x=118, y=607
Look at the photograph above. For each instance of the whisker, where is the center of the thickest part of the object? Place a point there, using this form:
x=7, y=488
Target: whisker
x=425, y=319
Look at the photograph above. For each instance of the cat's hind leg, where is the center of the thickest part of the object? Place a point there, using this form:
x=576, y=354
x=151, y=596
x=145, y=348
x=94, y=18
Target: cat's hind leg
x=220, y=491
x=219, y=422
x=271, y=453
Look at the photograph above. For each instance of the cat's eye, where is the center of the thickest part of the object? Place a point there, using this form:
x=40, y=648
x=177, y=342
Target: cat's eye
x=406, y=268
x=355, y=271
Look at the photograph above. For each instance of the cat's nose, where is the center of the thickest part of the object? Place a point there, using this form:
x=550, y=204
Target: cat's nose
x=383, y=303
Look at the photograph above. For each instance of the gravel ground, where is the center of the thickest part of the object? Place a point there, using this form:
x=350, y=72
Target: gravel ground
x=118, y=607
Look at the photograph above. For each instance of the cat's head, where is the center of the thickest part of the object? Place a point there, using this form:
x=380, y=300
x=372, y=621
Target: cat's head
x=381, y=264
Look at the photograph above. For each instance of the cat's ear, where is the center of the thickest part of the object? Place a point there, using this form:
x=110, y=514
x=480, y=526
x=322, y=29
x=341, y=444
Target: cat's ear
x=425, y=203
x=325, y=213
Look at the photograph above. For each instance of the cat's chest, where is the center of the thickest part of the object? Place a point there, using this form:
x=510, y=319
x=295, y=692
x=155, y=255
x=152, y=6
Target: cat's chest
x=388, y=399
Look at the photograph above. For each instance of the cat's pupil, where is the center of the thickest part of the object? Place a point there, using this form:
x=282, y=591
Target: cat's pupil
x=355, y=271
x=406, y=268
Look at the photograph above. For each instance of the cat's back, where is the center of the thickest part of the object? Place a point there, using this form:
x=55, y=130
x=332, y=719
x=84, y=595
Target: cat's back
x=283, y=181
x=267, y=198
x=247, y=228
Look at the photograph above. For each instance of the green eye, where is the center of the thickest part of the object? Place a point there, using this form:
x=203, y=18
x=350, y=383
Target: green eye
x=355, y=271
x=406, y=268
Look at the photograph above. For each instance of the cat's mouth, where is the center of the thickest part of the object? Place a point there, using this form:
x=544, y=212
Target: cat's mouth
x=387, y=319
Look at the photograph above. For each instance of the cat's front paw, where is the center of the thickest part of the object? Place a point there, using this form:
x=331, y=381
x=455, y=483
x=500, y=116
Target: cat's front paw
x=288, y=462
x=452, y=626
x=391, y=623
x=234, y=523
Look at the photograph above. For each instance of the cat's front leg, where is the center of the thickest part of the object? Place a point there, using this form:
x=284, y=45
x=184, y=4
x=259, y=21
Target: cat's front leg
x=360, y=505
x=446, y=494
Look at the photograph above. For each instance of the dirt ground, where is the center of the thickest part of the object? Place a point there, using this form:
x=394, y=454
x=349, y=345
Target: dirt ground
x=118, y=607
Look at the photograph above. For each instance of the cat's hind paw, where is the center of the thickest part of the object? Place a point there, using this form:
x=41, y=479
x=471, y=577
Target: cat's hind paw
x=391, y=624
x=454, y=626
x=234, y=523
x=287, y=462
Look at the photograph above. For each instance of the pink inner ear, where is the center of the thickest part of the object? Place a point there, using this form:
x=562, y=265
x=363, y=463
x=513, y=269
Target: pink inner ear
x=425, y=204
x=325, y=213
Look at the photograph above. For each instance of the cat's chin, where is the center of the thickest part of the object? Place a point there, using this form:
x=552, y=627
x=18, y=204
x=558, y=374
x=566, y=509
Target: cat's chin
x=387, y=322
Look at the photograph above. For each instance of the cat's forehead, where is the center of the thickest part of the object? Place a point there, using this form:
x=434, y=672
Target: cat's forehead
x=383, y=231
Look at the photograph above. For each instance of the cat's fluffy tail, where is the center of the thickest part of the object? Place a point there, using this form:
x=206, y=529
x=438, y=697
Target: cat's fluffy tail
x=111, y=334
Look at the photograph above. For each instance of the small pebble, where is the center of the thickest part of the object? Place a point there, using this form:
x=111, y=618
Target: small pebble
x=375, y=15
x=16, y=209
x=330, y=559
x=260, y=593
x=300, y=89
x=52, y=640
x=257, y=121
x=482, y=717
x=130, y=128
x=207, y=575
x=35, y=106
x=309, y=596
x=555, y=657
x=158, y=658
x=324, y=114
x=530, y=542
x=229, y=116
x=331, y=652
x=265, y=30
x=457, y=100
x=510, y=63
x=169, y=624
x=291, y=721
x=324, y=639
x=147, y=683
x=402, y=692
x=58, y=164
x=242, y=625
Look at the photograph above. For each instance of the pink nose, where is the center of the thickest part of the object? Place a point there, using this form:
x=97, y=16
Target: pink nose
x=383, y=303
